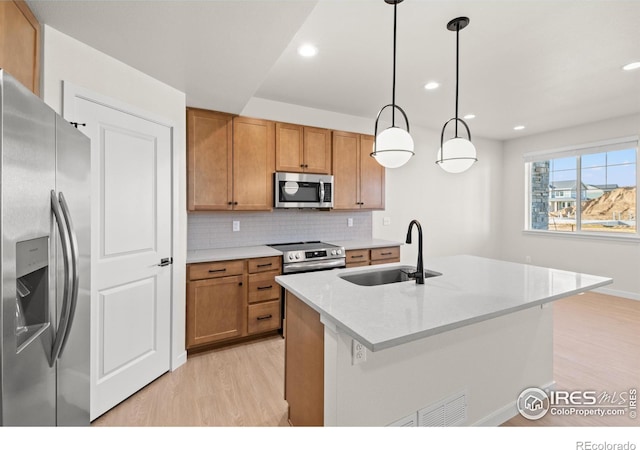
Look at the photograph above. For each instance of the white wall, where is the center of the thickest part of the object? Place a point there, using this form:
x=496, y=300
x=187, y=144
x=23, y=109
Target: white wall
x=459, y=213
x=619, y=260
x=65, y=58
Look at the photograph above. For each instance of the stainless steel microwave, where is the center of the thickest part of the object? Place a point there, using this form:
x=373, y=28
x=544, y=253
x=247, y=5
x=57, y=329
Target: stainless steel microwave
x=303, y=190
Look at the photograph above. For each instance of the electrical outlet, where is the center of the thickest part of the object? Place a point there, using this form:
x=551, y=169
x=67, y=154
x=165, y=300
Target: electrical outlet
x=350, y=222
x=386, y=221
x=236, y=225
x=527, y=259
x=359, y=352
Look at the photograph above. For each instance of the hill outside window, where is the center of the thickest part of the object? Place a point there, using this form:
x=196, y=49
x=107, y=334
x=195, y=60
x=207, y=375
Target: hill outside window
x=586, y=190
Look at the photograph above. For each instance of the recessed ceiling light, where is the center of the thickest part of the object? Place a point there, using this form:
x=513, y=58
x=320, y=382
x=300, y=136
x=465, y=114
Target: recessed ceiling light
x=632, y=66
x=431, y=85
x=518, y=127
x=307, y=50
x=470, y=116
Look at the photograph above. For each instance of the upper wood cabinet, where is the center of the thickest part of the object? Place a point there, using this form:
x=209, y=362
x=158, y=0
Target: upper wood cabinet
x=253, y=164
x=230, y=162
x=358, y=178
x=302, y=149
x=209, y=160
x=371, y=176
x=20, y=43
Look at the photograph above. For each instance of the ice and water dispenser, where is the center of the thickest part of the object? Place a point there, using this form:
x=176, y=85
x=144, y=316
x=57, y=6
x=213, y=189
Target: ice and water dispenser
x=32, y=290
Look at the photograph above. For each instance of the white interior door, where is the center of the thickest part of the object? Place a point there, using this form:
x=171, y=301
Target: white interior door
x=131, y=233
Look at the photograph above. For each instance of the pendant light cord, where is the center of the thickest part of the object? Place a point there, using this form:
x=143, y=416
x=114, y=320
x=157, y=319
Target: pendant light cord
x=457, y=70
x=393, y=92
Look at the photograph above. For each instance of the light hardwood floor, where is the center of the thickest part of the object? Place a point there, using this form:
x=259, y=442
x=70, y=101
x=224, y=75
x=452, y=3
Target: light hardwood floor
x=596, y=347
x=241, y=385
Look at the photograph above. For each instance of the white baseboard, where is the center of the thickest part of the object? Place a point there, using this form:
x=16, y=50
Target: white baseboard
x=617, y=293
x=178, y=361
x=508, y=411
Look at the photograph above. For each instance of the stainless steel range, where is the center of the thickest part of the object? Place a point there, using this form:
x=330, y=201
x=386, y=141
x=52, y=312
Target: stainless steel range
x=310, y=256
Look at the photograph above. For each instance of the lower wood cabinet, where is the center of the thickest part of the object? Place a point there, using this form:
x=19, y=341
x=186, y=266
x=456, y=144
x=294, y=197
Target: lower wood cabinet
x=216, y=309
x=304, y=364
x=366, y=256
x=227, y=300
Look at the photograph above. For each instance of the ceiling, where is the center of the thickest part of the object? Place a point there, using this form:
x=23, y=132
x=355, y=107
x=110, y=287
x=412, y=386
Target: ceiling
x=542, y=64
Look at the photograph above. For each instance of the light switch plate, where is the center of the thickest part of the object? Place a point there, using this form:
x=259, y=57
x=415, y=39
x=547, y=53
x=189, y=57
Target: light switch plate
x=386, y=221
x=350, y=222
x=236, y=225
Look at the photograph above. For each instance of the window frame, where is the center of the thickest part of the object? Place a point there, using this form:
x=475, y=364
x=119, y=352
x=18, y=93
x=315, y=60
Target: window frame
x=578, y=151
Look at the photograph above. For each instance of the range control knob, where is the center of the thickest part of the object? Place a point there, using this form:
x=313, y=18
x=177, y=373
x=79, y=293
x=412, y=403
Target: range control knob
x=297, y=255
x=339, y=251
x=333, y=252
x=290, y=256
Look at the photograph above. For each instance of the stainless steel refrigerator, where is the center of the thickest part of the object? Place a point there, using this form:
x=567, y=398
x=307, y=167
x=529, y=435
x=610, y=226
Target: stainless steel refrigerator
x=45, y=226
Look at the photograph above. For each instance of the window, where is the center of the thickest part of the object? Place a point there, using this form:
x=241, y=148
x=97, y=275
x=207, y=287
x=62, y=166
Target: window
x=589, y=189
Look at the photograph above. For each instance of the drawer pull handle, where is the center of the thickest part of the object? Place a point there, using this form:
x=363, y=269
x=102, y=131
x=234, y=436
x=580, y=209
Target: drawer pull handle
x=265, y=265
x=217, y=270
x=262, y=288
x=386, y=254
x=357, y=256
x=265, y=317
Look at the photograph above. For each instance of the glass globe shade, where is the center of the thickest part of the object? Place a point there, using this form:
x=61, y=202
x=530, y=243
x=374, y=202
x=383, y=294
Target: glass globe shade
x=459, y=155
x=393, y=147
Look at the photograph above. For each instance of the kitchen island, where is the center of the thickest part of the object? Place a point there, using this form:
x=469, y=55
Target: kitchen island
x=457, y=350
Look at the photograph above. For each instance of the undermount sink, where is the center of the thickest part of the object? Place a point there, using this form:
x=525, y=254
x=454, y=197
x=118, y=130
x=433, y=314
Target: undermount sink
x=385, y=276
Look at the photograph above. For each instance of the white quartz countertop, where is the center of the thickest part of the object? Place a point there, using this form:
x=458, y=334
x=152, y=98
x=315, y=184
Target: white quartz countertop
x=471, y=289
x=226, y=254
x=365, y=243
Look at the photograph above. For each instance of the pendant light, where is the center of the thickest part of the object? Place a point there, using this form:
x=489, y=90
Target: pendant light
x=393, y=147
x=457, y=154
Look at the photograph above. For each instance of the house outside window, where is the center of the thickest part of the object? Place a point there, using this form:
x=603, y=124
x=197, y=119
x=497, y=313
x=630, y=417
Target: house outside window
x=589, y=189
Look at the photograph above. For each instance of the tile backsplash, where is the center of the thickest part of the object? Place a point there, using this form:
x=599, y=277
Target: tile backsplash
x=215, y=229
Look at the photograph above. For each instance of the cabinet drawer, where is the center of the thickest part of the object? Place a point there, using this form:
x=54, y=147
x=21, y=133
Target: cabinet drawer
x=264, y=264
x=357, y=264
x=263, y=317
x=263, y=286
x=357, y=256
x=202, y=271
x=385, y=253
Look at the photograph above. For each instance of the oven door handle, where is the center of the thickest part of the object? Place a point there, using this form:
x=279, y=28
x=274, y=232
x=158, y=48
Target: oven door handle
x=310, y=266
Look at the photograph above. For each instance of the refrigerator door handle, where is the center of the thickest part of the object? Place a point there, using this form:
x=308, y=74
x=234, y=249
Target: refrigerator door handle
x=66, y=251
x=75, y=263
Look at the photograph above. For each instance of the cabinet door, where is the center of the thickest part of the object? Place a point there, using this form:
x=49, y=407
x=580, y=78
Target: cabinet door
x=20, y=43
x=289, y=148
x=209, y=159
x=371, y=176
x=253, y=164
x=317, y=150
x=346, y=163
x=216, y=309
